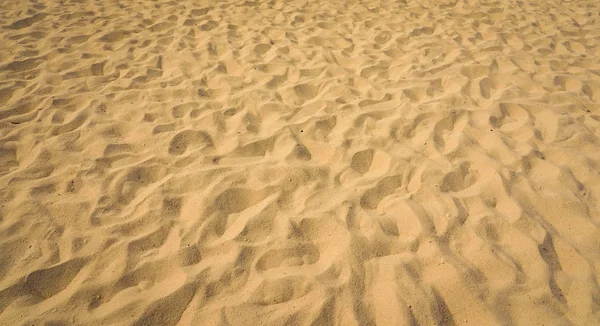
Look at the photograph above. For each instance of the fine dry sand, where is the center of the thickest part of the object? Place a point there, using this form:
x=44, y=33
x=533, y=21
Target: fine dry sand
x=299, y=162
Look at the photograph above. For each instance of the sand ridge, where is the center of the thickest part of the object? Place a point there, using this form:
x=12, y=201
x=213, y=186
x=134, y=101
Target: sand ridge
x=299, y=162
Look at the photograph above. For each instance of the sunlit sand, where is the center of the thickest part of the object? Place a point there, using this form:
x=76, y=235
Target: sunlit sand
x=299, y=162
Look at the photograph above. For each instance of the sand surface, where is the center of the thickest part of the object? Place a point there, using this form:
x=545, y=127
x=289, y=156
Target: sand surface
x=299, y=162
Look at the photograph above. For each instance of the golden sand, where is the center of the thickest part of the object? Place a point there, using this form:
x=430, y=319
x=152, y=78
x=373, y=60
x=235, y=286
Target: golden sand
x=299, y=162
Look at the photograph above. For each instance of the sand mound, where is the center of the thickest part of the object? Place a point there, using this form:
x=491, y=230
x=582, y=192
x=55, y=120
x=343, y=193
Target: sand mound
x=299, y=162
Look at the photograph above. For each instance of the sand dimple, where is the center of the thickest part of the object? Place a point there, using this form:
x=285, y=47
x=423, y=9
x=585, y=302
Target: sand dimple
x=362, y=160
x=299, y=163
x=46, y=283
x=184, y=139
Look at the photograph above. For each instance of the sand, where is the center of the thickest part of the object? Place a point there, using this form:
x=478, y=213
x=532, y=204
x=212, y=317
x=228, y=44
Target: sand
x=299, y=162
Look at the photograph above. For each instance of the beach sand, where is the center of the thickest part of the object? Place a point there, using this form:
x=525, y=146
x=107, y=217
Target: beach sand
x=299, y=162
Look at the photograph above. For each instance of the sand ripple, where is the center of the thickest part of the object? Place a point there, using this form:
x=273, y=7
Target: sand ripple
x=299, y=162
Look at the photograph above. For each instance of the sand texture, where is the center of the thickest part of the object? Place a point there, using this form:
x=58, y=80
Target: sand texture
x=299, y=162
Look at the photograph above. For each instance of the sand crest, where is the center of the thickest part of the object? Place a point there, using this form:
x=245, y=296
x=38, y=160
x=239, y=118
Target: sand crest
x=299, y=162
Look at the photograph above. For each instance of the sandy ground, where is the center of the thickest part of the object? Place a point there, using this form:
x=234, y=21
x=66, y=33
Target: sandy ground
x=299, y=162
